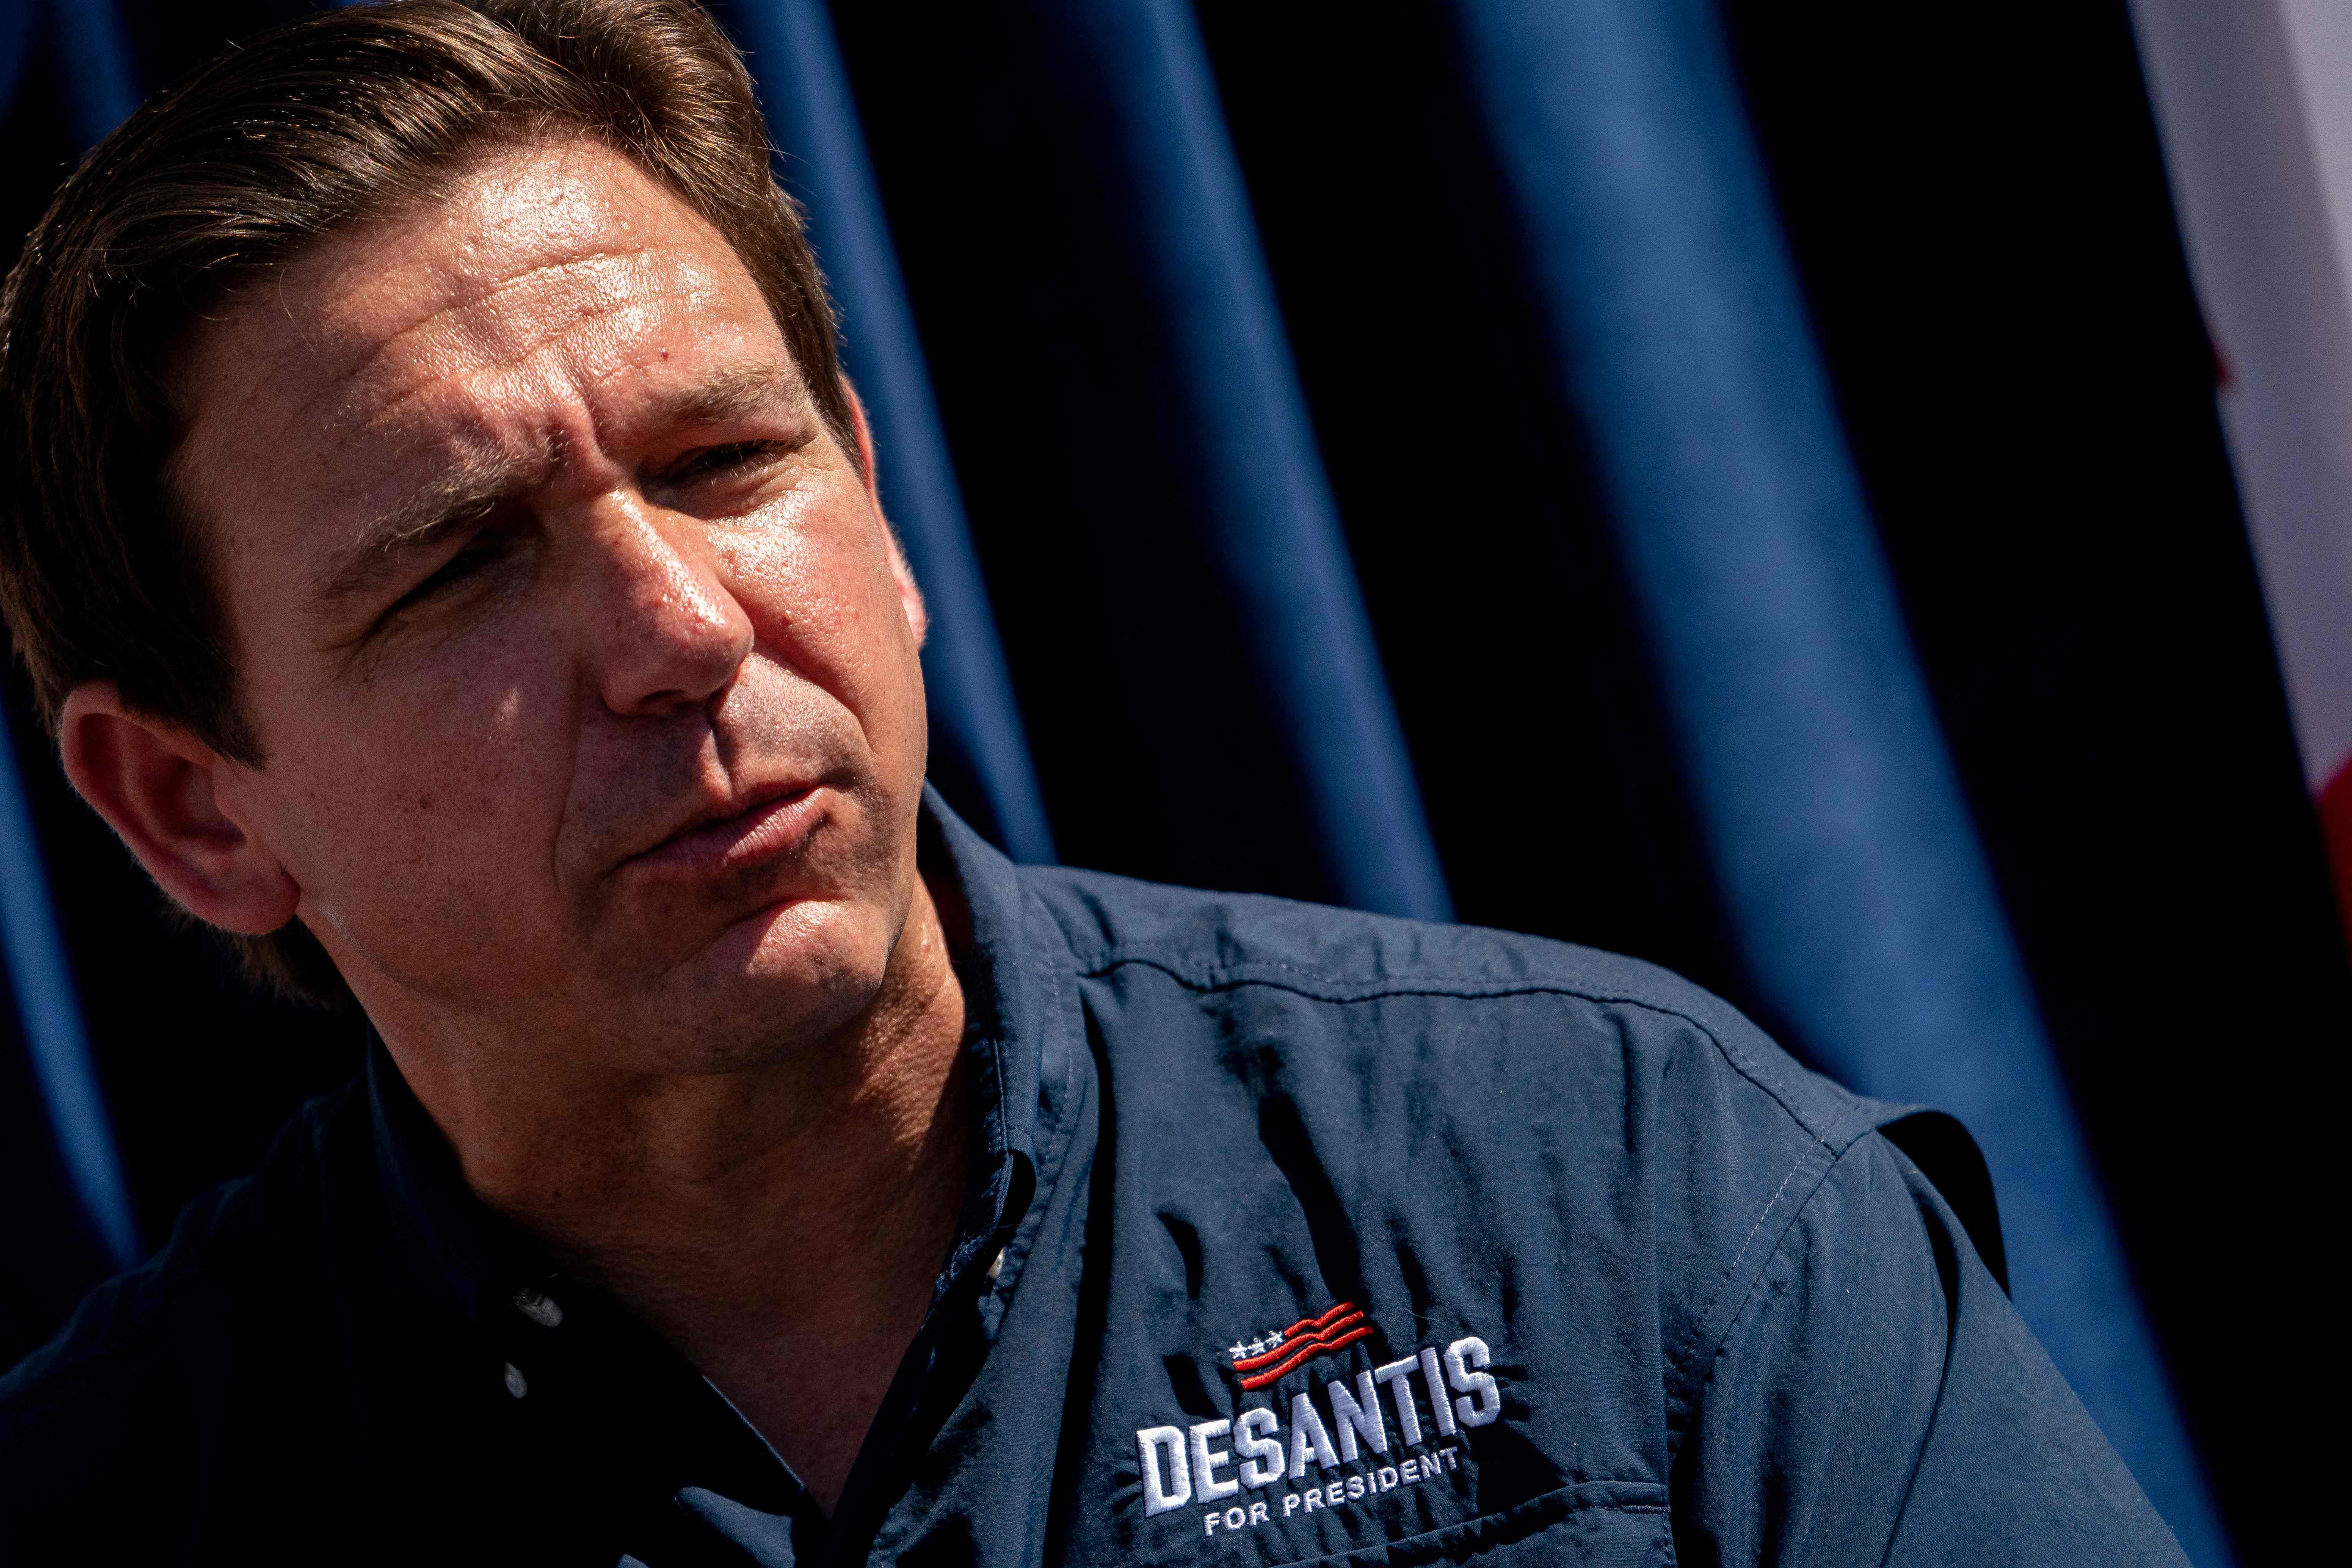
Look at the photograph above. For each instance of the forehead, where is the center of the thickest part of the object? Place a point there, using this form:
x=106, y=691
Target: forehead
x=541, y=290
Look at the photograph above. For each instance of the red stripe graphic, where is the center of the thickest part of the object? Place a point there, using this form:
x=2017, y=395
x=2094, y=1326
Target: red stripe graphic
x=1313, y=1328
x=1274, y=1374
x=1336, y=1329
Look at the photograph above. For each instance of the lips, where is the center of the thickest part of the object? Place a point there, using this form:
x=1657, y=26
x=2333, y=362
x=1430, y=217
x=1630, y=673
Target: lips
x=771, y=822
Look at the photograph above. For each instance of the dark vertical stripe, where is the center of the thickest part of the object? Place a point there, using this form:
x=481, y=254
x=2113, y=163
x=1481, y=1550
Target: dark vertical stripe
x=50, y=1019
x=793, y=53
x=1247, y=444
x=1857, y=888
x=99, y=91
x=101, y=86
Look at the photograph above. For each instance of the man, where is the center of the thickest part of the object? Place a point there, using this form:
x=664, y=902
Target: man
x=442, y=540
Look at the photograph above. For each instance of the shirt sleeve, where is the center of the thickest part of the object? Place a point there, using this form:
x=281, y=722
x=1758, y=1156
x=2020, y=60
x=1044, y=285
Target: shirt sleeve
x=1878, y=1400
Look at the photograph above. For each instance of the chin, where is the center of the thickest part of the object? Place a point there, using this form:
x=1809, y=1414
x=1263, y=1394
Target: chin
x=779, y=982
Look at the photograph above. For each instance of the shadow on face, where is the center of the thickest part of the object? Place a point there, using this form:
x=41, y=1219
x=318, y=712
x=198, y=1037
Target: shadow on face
x=584, y=665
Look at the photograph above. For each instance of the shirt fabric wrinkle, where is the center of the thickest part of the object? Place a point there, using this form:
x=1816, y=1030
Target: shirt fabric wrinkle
x=1289, y=1234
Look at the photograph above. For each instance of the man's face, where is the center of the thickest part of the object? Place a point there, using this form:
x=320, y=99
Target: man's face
x=585, y=669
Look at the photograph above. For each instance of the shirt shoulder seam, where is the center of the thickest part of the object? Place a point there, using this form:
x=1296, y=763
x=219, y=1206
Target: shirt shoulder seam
x=1713, y=1327
x=1331, y=989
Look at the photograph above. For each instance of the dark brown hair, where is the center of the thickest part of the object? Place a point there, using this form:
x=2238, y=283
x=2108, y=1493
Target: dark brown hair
x=301, y=132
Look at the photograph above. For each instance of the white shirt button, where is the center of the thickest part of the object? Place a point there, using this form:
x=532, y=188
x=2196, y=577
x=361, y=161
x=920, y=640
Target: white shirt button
x=996, y=1265
x=515, y=1384
x=540, y=1309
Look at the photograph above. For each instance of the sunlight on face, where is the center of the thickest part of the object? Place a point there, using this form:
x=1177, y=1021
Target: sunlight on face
x=589, y=687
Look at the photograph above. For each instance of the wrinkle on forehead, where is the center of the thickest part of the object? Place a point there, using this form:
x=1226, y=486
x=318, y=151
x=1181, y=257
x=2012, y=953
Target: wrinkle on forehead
x=475, y=323
x=431, y=340
x=423, y=395
x=516, y=215
x=541, y=247
x=487, y=337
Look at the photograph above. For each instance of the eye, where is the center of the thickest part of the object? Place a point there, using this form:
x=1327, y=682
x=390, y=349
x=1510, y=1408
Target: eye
x=725, y=461
x=480, y=552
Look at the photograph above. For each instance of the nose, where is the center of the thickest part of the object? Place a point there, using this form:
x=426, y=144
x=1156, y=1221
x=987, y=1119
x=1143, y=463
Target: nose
x=665, y=633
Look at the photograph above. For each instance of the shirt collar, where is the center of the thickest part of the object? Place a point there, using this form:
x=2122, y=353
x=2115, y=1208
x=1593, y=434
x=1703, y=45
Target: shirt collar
x=472, y=1260
x=1004, y=1033
x=456, y=1247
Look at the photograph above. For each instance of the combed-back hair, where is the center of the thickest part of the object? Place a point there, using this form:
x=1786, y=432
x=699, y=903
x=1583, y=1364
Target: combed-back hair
x=296, y=134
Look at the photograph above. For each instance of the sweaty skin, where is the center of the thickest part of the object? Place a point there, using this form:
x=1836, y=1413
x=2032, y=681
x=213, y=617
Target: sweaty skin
x=587, y=674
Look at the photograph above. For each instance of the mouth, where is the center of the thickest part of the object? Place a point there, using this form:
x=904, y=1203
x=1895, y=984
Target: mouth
x=763, y=824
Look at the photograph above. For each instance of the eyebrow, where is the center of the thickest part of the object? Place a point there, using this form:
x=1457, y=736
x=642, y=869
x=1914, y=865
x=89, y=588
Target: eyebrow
x=470, y=484
x=729, y=394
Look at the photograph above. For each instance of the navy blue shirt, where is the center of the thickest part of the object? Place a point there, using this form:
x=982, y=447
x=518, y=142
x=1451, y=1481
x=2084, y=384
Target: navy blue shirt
x=1291, y=1235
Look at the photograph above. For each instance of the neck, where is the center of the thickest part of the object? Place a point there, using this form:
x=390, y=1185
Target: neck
x=776, y=1225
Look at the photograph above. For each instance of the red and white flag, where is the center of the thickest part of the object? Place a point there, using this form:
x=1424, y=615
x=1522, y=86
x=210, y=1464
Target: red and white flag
x=2253, y=100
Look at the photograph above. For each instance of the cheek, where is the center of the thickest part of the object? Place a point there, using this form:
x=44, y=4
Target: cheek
x=822, y=600
x=425, y=805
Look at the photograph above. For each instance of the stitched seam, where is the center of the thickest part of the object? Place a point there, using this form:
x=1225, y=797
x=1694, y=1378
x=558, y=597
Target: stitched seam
x=1053, y=973
x=1679, y=1364
x=1761, y=1216
x=1226, y=979
x=1683, y=1366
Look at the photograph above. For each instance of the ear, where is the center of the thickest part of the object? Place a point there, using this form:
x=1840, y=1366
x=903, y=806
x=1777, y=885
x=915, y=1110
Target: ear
x=910, y=597
x=160, y=789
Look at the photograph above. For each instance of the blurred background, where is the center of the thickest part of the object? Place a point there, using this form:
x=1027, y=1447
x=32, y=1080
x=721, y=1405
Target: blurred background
x=1850, y=502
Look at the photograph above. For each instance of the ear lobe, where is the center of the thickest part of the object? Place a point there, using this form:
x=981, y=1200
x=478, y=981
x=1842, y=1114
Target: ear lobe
x=910, y=597
x=158, y=787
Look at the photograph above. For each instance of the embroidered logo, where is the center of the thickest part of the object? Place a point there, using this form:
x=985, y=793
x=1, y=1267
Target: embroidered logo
x=1349, y=1445
x=1271, y=1359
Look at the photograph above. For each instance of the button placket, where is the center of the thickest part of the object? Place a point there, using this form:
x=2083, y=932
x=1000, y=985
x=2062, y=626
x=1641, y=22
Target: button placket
x=541, y=1309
